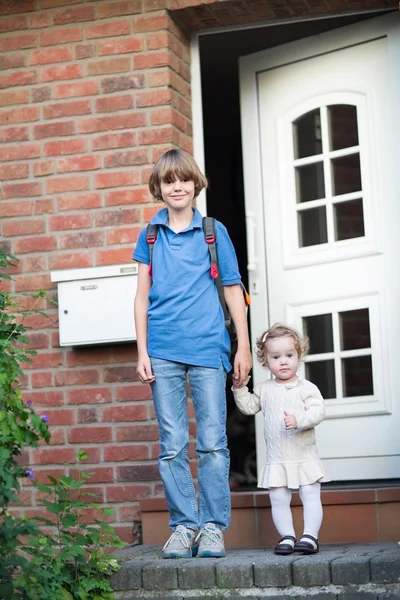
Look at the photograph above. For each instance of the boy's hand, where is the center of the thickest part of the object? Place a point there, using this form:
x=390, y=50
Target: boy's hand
x=237, y=387
x=144, y=371
x=290, y=421
x=241, y=367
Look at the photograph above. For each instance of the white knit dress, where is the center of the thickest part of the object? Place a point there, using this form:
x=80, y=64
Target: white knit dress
x=291, y=455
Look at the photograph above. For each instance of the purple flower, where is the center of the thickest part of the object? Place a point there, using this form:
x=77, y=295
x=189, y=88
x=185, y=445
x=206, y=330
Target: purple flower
x=44, y=418
x=29, y=403
x=30, y=474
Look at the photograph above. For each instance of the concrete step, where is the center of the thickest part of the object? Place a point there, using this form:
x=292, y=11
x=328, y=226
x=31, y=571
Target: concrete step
x=337, y=572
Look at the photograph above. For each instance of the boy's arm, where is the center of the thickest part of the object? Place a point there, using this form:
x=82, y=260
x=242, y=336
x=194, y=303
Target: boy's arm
x=141, y=323
x=243, y=360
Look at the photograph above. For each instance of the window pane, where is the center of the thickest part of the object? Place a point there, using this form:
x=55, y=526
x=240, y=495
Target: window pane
x=322, y=374
x=310, y=182
x=312, y=227
x=357, y=376
x=307, y=134
x=354, y=329
x=349, y=219
x=318, y=328
x=343, y=128
x=346, y=174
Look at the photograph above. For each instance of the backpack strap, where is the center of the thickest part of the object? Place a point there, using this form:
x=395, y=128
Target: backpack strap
x=151, y=236
x=210, y=236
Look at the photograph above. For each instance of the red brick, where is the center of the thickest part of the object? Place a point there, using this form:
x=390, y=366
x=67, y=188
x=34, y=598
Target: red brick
x=16, y=97
x=89, y=396
x=61, y=36
x=87, y=162
x=74, y=15
x=70, y=222
x=42, y=475
x=110, y=123
x=122, y=453
x=12, y=61
x=153, y=23
x=124, y=413
x=43, y=168
x=114, y=140
x=126, y=158
x=13, y=23
x=61, y=416
x=34, y=264
x=36, y=244
x=111, y=65
x=66, y=109
x=70, y=71
x=40, y=19
x=122, y=83
x=115, y=9
x=37, y=340
x=120, y=373
x=29, y=283
x=113, y=257
x=55, y=3
x=87, y=415
x=161, y=135
x=57, y=437
x=21, y=190
x=20, y=152
x=76, y=89
x=41, y=94
x=151, y=60
x=114, y=103
x=19, y=115
x=15, y=209
x=127, y=493
x=116, y=218
x=38, y=321
x=158, y=78
x=85, y=51
x=115, y=179
x=25, y=227
x=76, y=377
x=44, y=206
x=50, y=55
x=121, y=197
x=49, y=130
x=18, y=78
x=60, y=147
x=40, y=399
x=71, y=261
x=155, y=98
x=120, y=46
x=101, y=475
x=43, y=379
x=81, y=240
x=79, y=201
x=139, y=391
x=97, y=435
x=110, y=29
x=17, y=42
x=53, y=456
x=15, y=171
x=13, y=134
x=67, y=184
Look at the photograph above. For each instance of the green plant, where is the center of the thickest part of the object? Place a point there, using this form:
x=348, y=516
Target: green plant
x=69, y=559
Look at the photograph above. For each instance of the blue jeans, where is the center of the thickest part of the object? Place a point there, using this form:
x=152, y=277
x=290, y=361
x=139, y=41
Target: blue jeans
x=170, y=402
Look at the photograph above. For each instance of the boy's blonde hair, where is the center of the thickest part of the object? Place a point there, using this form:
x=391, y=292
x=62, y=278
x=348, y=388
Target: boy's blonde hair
x=278, y=330
x=175, y=164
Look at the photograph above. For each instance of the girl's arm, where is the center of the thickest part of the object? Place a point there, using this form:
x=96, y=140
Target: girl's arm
x=141, y=323
x=247, y=403
x=314, y=410
x=236, y=306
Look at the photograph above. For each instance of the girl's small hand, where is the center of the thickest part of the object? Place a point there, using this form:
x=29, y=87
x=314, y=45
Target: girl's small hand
x=290, y=421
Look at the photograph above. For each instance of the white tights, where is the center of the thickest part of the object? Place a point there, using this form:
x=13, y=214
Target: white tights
x=310, y=496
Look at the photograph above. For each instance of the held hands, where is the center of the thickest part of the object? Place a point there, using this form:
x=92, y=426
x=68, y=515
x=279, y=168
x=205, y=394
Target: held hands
x=241, y=367
x=290, y=421
x=143, y=369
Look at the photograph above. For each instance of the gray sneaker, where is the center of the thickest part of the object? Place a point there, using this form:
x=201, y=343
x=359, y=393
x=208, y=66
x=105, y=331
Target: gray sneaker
x=181, y=544
x=211, y=542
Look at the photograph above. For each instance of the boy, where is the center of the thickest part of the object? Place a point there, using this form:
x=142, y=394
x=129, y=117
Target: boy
x=181, y=333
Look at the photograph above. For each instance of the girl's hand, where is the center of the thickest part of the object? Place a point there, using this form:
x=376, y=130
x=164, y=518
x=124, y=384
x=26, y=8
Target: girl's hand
x=290, y=421
x=143, y=369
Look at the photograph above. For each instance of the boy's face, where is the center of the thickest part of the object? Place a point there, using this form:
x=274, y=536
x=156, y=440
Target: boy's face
x=177, y=194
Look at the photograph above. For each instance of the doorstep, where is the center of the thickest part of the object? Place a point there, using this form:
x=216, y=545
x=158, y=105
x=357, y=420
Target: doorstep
x=350, y=516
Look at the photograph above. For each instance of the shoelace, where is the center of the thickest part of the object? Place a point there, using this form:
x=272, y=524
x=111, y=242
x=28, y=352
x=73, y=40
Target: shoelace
x=179, y=535
x=213, y=536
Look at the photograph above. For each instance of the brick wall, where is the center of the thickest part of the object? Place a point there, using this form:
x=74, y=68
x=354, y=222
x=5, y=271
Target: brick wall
x=90, y=95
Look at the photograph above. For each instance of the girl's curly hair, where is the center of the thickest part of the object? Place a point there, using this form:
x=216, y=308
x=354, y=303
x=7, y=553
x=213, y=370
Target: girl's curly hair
x=278, y=330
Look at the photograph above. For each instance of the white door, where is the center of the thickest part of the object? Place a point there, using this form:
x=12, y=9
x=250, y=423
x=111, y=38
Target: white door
x=320, y=133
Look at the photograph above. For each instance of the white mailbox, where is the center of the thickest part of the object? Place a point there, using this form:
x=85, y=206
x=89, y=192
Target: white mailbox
x=95, y=305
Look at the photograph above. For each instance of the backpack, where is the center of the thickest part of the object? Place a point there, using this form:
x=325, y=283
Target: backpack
x=210, y=236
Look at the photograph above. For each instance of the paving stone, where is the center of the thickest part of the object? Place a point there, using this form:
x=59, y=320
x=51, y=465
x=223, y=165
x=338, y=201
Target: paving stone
x=386, y=568
x=197, y=574
x=160, y=575
x=235, y=572
x=129, y=576
x=312, y=570
x=274, y=571
x=357, y=596
x=350, y=569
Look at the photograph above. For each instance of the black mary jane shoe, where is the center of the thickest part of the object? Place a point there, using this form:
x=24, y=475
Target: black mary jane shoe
x=308, y=544
x=286, y=545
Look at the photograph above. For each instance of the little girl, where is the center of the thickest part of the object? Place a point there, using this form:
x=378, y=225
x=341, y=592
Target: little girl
x=291, y=407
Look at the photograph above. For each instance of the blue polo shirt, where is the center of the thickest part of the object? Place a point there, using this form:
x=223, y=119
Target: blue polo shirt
x=186, y=321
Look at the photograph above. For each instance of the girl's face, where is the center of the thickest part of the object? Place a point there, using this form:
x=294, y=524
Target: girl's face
x=178, y=194
x=283, y=359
